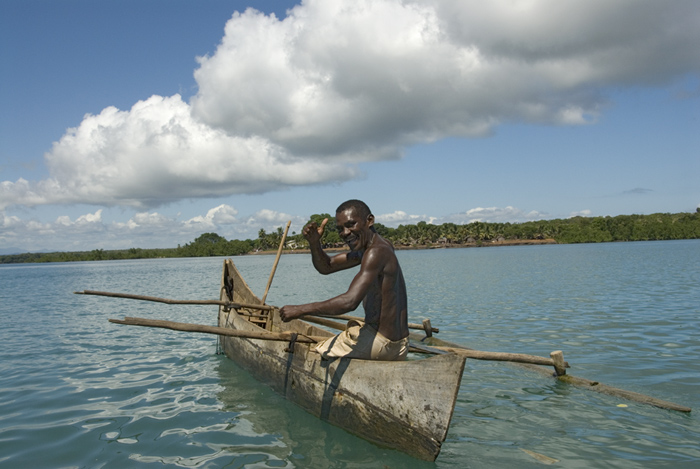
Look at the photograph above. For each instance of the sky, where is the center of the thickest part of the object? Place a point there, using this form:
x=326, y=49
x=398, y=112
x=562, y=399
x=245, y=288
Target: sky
x=130, y=123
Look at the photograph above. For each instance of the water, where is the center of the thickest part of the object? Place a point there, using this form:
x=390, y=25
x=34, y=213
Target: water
x=78, y=391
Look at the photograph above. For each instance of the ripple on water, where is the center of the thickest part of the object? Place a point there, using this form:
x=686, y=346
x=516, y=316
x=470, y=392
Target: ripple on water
x=94, y=394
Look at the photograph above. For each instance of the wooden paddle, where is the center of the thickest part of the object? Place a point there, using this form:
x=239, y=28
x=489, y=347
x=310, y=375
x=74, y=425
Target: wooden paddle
x=277, y=260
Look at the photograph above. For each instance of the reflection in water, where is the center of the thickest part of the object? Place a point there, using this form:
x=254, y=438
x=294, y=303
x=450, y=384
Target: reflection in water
x=304, y=440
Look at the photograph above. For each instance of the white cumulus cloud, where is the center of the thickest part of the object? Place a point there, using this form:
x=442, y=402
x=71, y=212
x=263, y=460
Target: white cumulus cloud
x=218, y=216
x=580, y=213
x=142, y=230
x=157, y=152
x=302, y=100
x=265, y=218
x=399, y=217
x=507, y=214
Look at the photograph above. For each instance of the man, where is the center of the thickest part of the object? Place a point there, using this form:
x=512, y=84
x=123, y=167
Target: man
x=379, y=286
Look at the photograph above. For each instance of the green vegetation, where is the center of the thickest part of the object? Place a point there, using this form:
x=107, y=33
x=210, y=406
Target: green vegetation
x=658, y=226
x=208, y=244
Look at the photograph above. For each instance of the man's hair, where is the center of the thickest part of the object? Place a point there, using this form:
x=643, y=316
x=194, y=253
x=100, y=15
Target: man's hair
x=361, y=207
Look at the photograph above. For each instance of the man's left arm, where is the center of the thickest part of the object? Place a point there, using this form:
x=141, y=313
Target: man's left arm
x=370, y=268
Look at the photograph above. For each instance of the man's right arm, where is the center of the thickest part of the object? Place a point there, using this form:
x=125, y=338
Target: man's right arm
x=325, y=264
x=313, y=233
x=322, y=262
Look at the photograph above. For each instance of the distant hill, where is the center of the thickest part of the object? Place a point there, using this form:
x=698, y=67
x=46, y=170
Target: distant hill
x=16, y=251
x=10, y=251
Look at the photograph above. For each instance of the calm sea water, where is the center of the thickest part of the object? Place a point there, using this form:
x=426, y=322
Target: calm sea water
x=78, y=391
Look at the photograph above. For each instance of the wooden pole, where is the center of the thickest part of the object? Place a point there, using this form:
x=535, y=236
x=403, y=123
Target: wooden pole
x=494, y=356
x=617, y=392
x=345, y=317
x=559, y=363
x=277, y=259
x=287, y=336
x=325, y=322
x=202, y=328
x=580, y=382
x=428, y=328
x=227, y=304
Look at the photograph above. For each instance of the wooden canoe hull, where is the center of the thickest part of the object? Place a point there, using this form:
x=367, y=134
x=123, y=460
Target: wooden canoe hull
x=402, y=405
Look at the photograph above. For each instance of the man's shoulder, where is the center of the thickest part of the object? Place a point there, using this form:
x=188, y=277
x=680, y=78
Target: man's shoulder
x=381, y=250
x=379, y=243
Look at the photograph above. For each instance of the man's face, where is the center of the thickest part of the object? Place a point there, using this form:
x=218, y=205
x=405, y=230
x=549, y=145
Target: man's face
x=354, y=229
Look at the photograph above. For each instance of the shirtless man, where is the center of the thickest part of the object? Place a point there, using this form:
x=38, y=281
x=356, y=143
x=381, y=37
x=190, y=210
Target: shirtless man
x=379, y=285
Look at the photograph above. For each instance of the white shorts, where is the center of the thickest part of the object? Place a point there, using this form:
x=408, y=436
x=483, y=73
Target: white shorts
x=360, y=340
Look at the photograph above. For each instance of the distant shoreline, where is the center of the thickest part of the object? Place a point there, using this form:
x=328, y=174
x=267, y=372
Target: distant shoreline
x=575, y=230
x=507, y=242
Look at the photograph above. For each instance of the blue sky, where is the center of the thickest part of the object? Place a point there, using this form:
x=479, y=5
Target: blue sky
x=144, y=124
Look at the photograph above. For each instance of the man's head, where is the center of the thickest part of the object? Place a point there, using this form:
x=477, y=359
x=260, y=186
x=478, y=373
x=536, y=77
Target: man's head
x=361, y=207
x=355, y=224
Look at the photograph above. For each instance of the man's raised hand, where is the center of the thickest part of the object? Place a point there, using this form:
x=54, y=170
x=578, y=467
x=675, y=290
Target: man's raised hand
x=312, y=232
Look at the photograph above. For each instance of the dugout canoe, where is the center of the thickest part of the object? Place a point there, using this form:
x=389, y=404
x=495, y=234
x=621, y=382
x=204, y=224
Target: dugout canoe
x=405, y=406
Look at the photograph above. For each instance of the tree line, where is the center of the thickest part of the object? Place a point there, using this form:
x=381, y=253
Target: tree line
x=658, y=226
